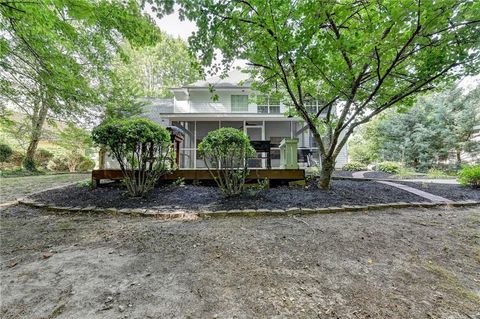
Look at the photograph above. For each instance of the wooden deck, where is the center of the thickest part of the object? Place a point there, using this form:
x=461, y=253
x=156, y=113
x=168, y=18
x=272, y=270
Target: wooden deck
x=277, y=175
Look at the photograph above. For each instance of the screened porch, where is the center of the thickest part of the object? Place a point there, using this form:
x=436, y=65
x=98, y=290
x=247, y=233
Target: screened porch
x=272, y=131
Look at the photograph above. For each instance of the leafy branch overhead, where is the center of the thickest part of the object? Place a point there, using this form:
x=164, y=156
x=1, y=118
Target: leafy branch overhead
x=55, y=55
x=358, y=57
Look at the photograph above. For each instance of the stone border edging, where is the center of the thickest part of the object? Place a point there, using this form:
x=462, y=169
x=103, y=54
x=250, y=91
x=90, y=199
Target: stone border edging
x=144, y=212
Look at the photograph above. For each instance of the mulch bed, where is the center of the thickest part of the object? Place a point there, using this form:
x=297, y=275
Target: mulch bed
x=450, y=191
x=205, y=198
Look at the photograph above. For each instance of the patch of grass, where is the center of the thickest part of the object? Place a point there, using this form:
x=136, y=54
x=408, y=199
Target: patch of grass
x=449, y=281
x=438, y=173
x=15, y=187
x=20, y=172
x=405, y=172
x=85, y=184
x=67, y=225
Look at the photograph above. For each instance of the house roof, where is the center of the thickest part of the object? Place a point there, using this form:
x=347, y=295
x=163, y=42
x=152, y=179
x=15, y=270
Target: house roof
x=233, y=79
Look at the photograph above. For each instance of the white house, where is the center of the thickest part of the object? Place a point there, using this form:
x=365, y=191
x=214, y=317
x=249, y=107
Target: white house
x=195, y=111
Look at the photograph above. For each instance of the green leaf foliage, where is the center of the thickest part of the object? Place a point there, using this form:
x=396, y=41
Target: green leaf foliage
x=226, y=152
x=55, y=55
x=434, y=127
x=358, y=57
x=354, y=166
x=389, y=167
x=141, y=147
x=5, y=152
x=470, y=175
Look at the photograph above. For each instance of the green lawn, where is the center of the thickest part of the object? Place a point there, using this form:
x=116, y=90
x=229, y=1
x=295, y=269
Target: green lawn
x=16, y=187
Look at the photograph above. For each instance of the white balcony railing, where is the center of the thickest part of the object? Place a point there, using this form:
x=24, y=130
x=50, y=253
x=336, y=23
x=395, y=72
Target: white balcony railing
x=165, y=106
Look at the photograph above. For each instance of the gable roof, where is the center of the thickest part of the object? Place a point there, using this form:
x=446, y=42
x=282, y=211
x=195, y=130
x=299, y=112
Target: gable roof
x=234, y=79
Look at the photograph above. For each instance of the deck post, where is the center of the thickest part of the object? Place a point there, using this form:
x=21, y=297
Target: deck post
x=289, y=153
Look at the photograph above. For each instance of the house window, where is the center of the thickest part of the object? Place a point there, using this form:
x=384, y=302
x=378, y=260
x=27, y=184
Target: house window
x=239, y=103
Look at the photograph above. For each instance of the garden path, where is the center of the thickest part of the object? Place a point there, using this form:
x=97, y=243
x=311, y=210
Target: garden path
x=431, y=197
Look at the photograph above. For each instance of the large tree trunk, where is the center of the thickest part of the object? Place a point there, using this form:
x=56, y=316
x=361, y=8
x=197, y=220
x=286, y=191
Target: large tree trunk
x=38, y=120
x=328, y=166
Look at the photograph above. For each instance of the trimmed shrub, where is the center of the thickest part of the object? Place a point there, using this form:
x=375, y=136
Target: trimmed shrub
x=17, y=158
x=86, y=164
x=389, y=167
x=58, y=164
x=42, y=157
x=354, y=166
x=226, y=152
x=469, y=175
x=142, y=149
x=5, y=153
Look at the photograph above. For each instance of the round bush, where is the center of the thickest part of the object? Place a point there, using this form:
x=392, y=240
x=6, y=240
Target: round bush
x=5, y=153
x=354, y=166
x=141, y=147
x=469, y=175
x=129, y=133
x=389, y=167
x=58, y=164
x=227, y=149
x=42, y=157
x=86, y=164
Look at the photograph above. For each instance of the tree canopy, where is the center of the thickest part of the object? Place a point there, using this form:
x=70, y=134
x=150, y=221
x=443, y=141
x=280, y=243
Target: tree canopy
x=435, y=127
x=358, y=57
x=54, y=55
x=152, y=70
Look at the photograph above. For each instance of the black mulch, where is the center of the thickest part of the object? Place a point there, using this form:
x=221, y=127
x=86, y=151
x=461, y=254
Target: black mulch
x=452, y=192
x=198, y=198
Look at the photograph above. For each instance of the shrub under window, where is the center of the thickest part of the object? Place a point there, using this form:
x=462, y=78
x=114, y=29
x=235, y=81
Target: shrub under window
x=141, y=147
x=226, y=152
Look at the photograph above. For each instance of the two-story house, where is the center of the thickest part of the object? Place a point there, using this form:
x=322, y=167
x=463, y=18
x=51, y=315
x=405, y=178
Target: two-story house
x=194, y=111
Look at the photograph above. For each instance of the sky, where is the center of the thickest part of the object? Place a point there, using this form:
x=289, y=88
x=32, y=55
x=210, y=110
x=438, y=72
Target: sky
x=173, y=26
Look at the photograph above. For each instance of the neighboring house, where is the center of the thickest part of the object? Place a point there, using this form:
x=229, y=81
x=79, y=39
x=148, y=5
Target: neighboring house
x=195, y=111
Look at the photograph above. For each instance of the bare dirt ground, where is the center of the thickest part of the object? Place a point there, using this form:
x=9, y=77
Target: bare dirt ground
x=383, y=264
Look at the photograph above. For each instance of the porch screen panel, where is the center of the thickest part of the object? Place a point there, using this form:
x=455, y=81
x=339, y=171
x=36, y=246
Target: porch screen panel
x=239, y=103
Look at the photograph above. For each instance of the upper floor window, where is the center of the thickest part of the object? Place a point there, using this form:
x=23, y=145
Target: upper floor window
x=239, y=103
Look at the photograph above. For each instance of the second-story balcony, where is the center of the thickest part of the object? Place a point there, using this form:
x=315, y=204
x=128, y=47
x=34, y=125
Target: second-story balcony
x=172, y=106
x=219, y=107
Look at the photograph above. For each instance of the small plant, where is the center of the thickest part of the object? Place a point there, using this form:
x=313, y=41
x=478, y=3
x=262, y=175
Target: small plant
x=313, y=170
x=255, y=189
x=141, y=147
x=354, y=166
x=5, y=153
x=469, y=175
x=179, y=181
x=226, y=152
x=85, y=184
x=389, y=167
